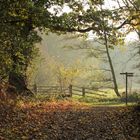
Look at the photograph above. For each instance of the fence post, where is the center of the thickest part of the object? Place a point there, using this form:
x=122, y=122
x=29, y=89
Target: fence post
x=70, y=90
x=35, y=88
x=83, y=91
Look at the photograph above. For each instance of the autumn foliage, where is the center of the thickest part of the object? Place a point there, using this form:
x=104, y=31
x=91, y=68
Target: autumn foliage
x=67, y=120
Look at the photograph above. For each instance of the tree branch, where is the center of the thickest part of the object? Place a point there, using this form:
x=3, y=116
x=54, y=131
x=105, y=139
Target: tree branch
x=59, y=28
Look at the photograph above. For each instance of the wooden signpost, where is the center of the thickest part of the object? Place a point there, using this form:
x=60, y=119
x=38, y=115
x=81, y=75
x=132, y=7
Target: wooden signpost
x=127, y=74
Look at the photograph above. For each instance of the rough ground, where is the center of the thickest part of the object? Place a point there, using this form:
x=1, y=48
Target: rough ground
x=68, y=121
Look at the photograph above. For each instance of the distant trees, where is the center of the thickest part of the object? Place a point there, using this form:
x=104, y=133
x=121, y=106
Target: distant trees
x=130, y=11
x=109, y=25
x=100, y=21
x=51, y=71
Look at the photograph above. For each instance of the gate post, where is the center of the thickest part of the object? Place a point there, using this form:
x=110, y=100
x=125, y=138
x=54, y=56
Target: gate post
x=35, y=88
x=70, y=90
x=83, y=91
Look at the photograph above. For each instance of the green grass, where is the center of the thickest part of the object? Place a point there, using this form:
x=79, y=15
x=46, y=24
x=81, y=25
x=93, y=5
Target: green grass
x=110, y=99
x=106, y=99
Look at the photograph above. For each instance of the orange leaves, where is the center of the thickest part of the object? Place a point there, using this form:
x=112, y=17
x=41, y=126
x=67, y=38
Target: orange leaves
x=66, y=120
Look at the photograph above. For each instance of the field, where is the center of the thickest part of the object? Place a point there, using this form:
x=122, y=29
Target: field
x=108, y=98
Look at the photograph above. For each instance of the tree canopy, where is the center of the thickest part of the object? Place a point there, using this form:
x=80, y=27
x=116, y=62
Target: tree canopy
x=20, y=22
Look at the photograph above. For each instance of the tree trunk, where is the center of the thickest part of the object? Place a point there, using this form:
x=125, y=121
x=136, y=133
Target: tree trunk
x=17, y=84
x=111, y=67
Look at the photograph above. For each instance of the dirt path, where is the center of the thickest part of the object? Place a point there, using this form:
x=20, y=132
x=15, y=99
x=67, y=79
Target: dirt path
x=98, y=123
x=67, y=122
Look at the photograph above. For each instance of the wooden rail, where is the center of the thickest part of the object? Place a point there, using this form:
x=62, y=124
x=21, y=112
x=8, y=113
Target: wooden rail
x=68, y=91
x=84, y=91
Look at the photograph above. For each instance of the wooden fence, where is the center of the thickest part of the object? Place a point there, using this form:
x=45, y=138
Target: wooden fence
x=84, y=91
x=68, y=91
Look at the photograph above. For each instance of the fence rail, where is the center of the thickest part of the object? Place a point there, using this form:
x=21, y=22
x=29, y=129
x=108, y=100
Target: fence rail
x=68, y=91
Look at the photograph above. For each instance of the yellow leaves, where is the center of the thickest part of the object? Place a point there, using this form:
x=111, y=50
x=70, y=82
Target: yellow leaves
x=69, y=72
x=25, y=138
x=84, y=120
x=18, y=9
x=65, y=120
